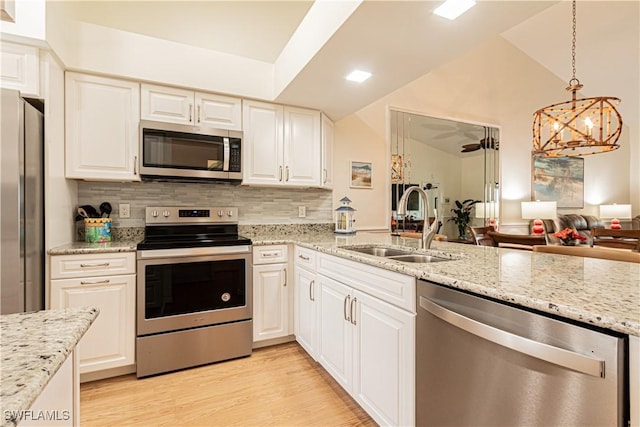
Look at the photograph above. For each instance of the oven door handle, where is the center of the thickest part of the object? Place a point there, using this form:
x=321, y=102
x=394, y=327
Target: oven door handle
x=185, y=252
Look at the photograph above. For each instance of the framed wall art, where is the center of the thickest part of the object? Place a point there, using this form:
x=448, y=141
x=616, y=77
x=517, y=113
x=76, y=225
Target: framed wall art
x=560, y=179
x=361, y=173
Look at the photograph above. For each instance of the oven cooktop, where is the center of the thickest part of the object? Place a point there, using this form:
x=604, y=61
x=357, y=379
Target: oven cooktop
x=191, y=227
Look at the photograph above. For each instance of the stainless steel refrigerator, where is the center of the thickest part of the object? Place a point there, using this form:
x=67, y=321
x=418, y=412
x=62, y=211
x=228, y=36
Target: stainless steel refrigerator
x=21, y=204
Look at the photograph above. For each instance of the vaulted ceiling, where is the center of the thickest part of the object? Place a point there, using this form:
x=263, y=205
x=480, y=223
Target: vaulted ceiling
x=398, y=41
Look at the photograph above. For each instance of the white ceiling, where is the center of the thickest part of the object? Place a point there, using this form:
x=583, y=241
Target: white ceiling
x=398, y=41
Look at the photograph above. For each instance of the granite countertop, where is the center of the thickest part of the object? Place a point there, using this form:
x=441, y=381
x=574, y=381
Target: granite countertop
x=595, y=291
x=33, y=347
x=75, y=248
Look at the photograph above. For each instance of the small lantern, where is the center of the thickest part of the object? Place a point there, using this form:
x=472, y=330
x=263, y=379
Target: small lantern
x=344, y=217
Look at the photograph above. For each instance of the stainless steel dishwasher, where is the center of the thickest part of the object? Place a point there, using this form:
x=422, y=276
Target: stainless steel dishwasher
x=484, y=363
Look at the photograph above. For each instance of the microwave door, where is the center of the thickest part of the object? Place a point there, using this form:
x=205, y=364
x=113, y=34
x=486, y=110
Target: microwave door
x=174, y=154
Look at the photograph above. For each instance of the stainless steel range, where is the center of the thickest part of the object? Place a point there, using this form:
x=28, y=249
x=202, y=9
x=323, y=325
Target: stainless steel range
x=194, y=289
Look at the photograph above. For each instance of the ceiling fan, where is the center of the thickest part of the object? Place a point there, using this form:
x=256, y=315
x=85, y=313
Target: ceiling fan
x=485, y=143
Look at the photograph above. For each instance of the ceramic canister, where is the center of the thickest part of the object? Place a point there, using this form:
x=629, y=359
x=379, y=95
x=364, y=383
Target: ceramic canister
x=97, y=230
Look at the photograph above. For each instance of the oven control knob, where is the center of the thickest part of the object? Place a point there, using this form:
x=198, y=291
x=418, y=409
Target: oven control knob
x=229, y=213
x=226, y=297
x=220, y=214
x=154, y=213
x=166, y=214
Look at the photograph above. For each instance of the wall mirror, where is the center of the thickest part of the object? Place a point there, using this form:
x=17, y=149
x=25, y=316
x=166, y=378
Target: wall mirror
x=451, y=160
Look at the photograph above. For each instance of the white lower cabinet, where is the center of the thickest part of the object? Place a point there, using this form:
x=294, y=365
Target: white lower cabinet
x=306, y=299
x=110, y=341
x=305, y=295
x=59, y=402
x=366, y=343
x=270, y=293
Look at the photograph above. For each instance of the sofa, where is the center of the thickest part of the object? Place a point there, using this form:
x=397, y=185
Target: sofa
x=581, y=223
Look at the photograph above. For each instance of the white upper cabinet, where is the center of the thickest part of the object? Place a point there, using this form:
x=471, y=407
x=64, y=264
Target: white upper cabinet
x=281, y=145
x=327, y=153
x=101, y=117
x=20, y=68
x=174, y=105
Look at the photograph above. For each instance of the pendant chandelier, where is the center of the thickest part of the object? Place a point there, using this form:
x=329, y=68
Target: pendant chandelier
x=578, y=127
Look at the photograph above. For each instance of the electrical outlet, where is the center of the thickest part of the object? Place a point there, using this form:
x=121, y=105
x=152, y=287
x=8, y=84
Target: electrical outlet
x=302, y=211
x=125, y=210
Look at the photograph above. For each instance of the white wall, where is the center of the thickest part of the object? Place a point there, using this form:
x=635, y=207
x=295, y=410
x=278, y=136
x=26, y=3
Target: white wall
x=29, y=20
x=355, y=140
x=504, y=91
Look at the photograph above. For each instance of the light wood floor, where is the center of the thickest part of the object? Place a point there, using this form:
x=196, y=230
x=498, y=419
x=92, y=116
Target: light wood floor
x=275, y=386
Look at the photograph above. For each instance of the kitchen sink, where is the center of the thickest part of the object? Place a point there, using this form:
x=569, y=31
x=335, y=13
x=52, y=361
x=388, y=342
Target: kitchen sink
x=396, y=254
x=419, y=258
x=378, y=251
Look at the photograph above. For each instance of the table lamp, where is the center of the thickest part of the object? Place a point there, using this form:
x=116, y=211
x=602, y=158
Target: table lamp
x=538, y=211
x=615, y=212
x=490, y=210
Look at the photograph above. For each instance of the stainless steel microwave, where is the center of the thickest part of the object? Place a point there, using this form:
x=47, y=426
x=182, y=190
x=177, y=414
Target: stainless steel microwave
x=183, y=152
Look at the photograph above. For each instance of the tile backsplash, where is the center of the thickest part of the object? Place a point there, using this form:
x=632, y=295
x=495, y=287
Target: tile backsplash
x=256, y=205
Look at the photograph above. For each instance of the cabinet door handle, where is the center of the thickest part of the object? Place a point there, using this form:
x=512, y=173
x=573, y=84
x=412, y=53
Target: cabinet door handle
x=311, y=290
x=347, y=299
x=104, y=264
x=351, y=308
x=287, y=173
x=285, y=277
x=324, y=174
x=198, y=114
x=306, y=258
x=190, y=113
x=135, y=165
x=99, y=282
x=280, y=174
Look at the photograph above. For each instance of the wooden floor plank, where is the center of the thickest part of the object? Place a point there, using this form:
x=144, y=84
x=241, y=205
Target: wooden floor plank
x=276, y=386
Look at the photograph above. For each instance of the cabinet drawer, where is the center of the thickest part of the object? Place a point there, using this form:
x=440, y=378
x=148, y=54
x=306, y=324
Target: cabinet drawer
x=305, y=258
x=389, y=286
x=89, y=265
x=270, y=254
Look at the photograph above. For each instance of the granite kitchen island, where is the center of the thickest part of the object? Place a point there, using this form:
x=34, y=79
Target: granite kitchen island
x=34, y=347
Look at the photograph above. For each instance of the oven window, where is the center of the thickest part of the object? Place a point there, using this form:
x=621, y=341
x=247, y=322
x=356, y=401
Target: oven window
x=182, y=151
x=172, y=289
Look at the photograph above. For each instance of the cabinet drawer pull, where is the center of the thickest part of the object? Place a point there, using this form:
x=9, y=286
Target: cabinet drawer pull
x=352, y=314
x=344, y=308
x=269, y=254
x=99, y=282
x=306, y=258
x=311, y=290
x=104, y=264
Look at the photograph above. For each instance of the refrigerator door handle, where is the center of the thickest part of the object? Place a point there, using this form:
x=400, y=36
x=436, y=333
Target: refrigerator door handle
x=542, y=351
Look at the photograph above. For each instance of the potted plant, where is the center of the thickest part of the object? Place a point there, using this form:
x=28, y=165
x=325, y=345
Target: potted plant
x=462, y=216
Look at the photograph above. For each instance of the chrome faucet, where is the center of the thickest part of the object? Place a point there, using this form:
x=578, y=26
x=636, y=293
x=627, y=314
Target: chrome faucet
x=427, y=233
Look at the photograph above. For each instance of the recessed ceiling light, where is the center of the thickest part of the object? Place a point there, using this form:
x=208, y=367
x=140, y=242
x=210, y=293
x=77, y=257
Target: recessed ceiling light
x=451, y=9
x=358, y=76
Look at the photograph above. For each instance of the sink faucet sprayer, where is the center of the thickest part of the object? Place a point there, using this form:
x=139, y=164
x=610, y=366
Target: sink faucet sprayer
x=427, y=236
